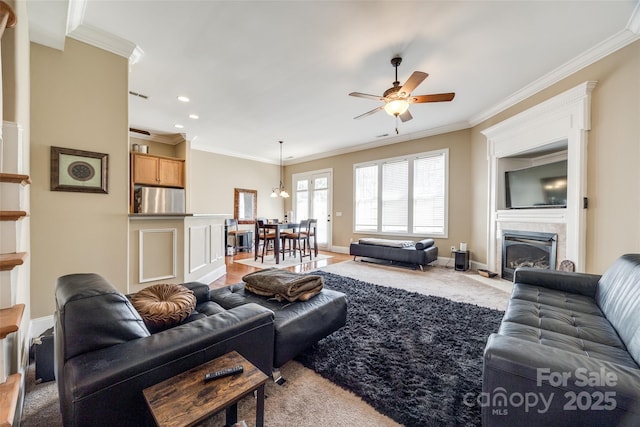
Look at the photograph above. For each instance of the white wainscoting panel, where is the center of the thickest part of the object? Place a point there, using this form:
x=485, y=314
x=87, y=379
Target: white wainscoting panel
x=198, y=247
x=158, y=250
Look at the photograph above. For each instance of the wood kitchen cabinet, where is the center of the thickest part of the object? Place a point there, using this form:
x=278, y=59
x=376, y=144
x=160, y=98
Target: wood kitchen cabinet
x=157, y=170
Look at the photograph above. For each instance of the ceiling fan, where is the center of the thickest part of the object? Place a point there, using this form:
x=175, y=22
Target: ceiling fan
x=397, y=99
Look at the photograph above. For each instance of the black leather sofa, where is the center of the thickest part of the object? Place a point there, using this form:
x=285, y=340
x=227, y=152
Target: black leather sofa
x=105, y=356
x=567, y=352
x=399, y=252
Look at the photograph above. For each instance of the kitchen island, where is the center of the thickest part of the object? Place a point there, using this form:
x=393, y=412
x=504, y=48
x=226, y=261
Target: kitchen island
x=175, y=248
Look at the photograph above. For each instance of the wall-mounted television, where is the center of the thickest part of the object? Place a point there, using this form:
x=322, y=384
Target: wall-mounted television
x=543, y=186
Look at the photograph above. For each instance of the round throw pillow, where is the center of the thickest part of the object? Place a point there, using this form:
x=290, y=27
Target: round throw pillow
x=164, y=305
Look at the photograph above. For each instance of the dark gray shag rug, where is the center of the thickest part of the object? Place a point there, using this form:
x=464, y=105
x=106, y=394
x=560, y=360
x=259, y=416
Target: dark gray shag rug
x=413, y=357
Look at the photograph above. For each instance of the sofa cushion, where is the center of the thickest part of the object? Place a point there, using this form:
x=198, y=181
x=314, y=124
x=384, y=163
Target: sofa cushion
x=556, y=298
x=618, y=295
x=568, y=322
x=164, y=305
x=567, y=343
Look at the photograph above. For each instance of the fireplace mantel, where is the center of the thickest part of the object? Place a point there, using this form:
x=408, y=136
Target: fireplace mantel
x=562, y=121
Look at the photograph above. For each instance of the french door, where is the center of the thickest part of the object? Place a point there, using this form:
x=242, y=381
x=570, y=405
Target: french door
x=312, y=196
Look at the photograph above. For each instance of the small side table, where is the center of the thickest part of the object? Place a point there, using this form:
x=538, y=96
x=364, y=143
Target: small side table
x=186, y=399
x=461, y=260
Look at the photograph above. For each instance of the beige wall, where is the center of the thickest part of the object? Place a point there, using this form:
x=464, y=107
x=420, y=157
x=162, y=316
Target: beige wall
x=78, y=100
x=212, y=178
x=613, y=223
x=460, y=190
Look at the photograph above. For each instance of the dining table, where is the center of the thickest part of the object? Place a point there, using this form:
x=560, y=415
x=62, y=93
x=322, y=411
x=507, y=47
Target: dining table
x=276, y=243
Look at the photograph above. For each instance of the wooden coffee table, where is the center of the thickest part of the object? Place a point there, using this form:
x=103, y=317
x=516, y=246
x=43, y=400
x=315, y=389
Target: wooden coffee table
x=186, y=399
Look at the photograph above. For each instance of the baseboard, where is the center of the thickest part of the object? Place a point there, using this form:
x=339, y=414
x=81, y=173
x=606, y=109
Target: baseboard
x=214, y=275
x=340, y=249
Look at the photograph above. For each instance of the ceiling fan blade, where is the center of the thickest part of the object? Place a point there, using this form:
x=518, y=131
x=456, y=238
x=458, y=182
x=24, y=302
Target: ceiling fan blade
x=436, y=97
x=406, y=116
x=367, y=96
x=416, y=78
x=368, y=113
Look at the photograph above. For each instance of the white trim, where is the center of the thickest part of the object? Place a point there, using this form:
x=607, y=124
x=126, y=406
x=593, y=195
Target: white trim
x=75, y=14
x=340, y=249
x=410, y=158
x=566, y=116
x=107, y=41
x=202, y=231
x=614, y=43
x=174, y=256
x=309, y=176
x=216, y=234
x=212, y=275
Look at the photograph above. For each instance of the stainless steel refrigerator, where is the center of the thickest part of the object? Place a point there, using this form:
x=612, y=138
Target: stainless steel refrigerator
x=159, y=200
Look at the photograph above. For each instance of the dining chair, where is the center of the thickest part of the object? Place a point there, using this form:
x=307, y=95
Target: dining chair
x=266, y=238
x=300, y=239
x=231, y=225
x=313, y=227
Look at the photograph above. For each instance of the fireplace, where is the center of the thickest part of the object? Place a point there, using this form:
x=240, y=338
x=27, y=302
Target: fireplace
x=527, y=249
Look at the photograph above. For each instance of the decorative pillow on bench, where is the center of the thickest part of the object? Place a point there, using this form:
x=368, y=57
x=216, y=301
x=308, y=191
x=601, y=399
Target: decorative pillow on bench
x=387, y=242
x=424, y=244
x=421, y=245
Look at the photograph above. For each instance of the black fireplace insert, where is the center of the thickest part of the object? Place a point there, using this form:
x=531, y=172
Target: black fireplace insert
x=527, y=249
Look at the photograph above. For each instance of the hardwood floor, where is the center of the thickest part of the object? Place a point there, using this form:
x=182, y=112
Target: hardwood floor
x=236, y=271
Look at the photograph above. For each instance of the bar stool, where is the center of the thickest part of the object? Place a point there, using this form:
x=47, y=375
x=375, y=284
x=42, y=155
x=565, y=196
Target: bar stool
x=231, y=227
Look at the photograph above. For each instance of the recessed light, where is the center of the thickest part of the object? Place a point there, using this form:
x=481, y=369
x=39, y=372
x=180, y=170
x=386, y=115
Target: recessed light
x=194, y=116
x=183, y=99
x=178, y=126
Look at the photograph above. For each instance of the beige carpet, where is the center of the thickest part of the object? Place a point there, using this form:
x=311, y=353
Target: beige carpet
x=444, y=282
x=289, y=261
x=306, y=399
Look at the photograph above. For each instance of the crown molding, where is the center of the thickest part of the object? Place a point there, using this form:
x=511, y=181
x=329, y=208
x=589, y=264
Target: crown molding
x=169, y=138
x=103, y=40
x=630, y=34
x=382, y=142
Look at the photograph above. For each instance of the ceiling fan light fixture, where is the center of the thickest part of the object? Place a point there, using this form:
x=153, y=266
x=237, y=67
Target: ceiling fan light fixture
x=396, y=107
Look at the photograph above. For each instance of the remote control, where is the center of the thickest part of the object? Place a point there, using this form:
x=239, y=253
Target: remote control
x=223, y=373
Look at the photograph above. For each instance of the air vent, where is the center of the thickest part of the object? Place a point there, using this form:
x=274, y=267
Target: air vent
x=143, y=132
x=139, y=95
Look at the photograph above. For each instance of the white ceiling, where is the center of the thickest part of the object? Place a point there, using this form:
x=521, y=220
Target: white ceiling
x=262, y=71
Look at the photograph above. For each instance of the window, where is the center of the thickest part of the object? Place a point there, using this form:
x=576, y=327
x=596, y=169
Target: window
x=402, y=196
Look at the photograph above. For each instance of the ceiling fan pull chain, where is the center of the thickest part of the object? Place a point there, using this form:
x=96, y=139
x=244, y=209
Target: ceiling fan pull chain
x=397, y=125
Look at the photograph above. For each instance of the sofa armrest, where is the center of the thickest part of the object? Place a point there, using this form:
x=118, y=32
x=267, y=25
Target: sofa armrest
x=576, y=283
x=200, y=290
x=114, y=377
x=512, y=365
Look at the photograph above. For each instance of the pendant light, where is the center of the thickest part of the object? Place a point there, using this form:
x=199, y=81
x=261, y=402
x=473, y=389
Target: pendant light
x=280, y=191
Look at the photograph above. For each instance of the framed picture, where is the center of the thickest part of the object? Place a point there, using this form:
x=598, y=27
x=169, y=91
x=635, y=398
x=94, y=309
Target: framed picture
x=78, y=170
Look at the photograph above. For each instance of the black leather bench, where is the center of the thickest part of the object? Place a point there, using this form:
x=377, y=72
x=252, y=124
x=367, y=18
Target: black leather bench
x=297, y=324
x=395, y=251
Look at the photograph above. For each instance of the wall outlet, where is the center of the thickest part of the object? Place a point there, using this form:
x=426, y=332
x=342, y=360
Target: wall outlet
x=453, y=248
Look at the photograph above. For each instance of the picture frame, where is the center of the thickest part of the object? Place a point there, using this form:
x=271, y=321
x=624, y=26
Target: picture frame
x=79, y=170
